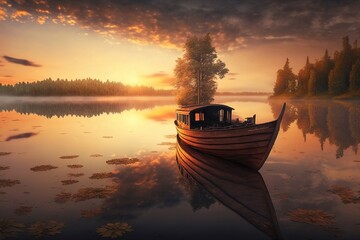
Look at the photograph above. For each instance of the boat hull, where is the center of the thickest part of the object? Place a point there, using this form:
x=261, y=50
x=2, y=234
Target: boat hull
x=248, y=145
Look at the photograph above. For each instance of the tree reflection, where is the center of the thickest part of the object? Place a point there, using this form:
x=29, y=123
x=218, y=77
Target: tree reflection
x=197, y=195
x=338, y=122
x=289, y=117
x=82, y=107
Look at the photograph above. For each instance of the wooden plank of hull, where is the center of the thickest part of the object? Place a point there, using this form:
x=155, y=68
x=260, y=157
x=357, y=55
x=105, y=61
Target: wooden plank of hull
x=241, y=190
x=229, y=140
x=231, y=146
x=229, y=132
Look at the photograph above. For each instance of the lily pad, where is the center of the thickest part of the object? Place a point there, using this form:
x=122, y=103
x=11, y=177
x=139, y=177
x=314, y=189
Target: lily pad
x=69, y=182
x=62, y=197
x=69, y=156
x=75, y=166
x=88, y=193
x=4, y=153
x=102, y=175
x=123, y=161
x=42, y=168
x=23, y=210
x=10, y=228
x=311, y=216
x=346, y=194
x=8, y=182
x=76, y=174
x=49, y=228
x=114, y=230
x=4, y=168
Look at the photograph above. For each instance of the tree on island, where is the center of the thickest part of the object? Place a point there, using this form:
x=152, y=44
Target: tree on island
x=78, y=87
x=326, y=77
x=355, y=77
x=285, y=81
x=304, y=77
x=339, y=81
x=197, y=71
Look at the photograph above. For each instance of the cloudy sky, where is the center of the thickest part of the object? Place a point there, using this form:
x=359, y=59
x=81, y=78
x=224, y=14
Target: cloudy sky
x=138, y=42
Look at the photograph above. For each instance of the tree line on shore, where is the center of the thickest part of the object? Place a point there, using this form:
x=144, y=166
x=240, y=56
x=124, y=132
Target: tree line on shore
x=328, y=76
x=78, y=87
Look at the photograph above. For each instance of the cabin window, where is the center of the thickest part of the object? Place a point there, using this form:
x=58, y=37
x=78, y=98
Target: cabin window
x=199, y=116
x=228, y=116
x=221, y=115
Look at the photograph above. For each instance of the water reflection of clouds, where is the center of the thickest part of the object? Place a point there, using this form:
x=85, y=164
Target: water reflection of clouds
x=150, y=183
x=161, y=114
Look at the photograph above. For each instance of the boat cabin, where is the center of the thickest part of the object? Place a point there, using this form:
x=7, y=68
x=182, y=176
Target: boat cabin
x=204, y=116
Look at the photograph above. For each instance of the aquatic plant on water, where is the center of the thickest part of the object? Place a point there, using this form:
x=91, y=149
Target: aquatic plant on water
x=4, y=153
x=346, y=194
x=42, y=168
x=8, y=182
x=69, y=156
x=23, y=210
x=96, y=155
x=4, y=168
x=114, y=230
x=75, y=166
x=122, y=161
x=88, y=193
x=311, y=216
x=10, y=228
x=49, y=228
x=62, y=197
x=76, y=174
x=102, y=175
x=69, y=182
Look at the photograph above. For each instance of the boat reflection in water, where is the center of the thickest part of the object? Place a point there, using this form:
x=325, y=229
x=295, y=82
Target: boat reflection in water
x=241, y=189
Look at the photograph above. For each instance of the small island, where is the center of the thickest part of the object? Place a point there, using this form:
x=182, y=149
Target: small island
x=327, y=78
x=78, y=87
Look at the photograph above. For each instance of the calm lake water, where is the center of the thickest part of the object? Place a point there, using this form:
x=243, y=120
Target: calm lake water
x=57, y=180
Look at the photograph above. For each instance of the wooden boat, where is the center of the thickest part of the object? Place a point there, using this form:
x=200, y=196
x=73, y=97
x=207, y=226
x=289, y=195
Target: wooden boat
x=241, y=189
x=210, y=129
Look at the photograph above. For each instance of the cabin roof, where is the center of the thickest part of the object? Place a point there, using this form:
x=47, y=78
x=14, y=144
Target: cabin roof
x=188, y=109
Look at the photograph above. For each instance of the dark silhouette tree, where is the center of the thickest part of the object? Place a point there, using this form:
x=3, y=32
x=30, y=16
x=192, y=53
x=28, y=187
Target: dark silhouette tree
x=339, y=81
x=303, y=78
x=197, y=71
x=78, y=87
x=355, y=77
x=322, y=69
x=312, y=84
x=285, y=80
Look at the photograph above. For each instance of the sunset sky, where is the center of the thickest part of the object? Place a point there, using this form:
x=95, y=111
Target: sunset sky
x=138, y=42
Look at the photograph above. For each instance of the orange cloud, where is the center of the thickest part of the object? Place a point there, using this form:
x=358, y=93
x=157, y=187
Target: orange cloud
x=20, y=16
x=168, y=23
x=159, y=79
x=3, y=14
